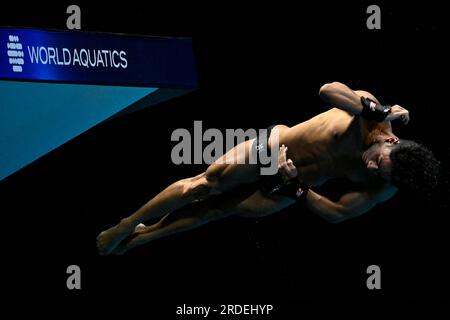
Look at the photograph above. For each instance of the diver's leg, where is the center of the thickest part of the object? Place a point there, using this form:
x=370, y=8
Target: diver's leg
x=246, y=204
x=219, y=177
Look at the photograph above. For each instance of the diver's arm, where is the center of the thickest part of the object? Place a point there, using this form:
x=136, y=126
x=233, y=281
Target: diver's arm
x=339, y=95
x=350, y=205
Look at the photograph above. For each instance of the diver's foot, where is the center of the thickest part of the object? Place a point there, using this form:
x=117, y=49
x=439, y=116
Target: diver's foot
x=109, y=239
x=133, y=240
x=127, y=244
x=140, y=228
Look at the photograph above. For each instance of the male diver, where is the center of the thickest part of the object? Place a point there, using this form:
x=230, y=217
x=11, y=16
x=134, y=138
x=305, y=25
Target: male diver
x=353, y=140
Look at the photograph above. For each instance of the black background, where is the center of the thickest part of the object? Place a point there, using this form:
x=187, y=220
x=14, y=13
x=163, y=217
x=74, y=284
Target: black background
x=258, y=65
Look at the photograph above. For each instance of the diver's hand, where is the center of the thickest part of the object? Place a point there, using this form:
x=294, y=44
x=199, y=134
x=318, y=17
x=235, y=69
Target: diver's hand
x=398, y=112
x=285, y=166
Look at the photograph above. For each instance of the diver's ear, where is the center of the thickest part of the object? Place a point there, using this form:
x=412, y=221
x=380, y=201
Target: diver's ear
x=372, y=165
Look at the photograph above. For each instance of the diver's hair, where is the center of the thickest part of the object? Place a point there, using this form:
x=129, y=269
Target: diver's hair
x=414, y=167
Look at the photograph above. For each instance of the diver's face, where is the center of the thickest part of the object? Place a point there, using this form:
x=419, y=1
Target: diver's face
x=377, y=159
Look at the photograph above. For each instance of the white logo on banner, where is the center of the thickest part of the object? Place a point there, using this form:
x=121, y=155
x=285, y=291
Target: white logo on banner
x=15, y=53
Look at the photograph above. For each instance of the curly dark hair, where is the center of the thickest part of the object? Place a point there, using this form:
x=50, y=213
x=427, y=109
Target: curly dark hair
x=414, y=167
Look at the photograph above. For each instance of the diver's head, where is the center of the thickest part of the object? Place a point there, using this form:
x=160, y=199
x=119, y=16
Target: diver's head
x=404, y=163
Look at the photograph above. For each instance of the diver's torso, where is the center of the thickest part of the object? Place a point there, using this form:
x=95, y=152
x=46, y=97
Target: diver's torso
x=327, y=146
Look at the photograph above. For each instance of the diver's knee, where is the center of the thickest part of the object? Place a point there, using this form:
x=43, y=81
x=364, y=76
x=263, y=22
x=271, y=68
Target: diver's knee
x=199, y=188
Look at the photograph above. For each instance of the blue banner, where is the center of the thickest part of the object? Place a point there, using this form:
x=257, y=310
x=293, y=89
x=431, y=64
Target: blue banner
x=96, y=58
